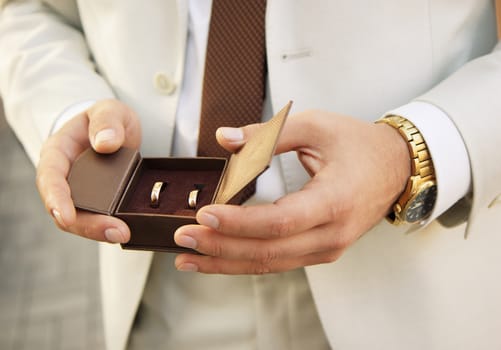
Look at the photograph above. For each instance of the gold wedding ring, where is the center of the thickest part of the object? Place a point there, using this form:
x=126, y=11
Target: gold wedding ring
x=193, y=196
x=155, y=193
x=192, y=199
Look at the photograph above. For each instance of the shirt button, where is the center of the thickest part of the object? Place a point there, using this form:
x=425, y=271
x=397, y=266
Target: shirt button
x=164, y=84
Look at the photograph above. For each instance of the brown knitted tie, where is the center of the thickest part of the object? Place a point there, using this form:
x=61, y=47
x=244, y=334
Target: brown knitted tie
x=233, y=90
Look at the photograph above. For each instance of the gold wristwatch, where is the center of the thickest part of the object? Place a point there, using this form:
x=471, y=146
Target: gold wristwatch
x=418, y=199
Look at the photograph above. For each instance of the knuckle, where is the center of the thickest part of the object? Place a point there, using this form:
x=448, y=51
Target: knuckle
x=339, y=241
x=332, y=245
x=85, y=232
x=266, y=256
x=103, y=112
x=216, y=248
x=85, y=229
x=333, y=212
x=212, y=265
x=260, y=268
x=109, y=111
x=341, y=204
x=282, y=226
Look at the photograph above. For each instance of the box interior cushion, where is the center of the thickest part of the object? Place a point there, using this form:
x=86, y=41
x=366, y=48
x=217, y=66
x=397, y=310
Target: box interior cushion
x=181, y=175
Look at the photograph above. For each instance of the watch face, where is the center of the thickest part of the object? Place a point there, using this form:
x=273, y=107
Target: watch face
x=421, y=206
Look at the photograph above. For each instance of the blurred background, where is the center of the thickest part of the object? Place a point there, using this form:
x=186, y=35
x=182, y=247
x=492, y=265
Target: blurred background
x=49, y=297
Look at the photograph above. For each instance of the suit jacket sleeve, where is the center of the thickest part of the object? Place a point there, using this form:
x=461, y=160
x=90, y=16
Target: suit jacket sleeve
x=43, y=53
x=471, y=97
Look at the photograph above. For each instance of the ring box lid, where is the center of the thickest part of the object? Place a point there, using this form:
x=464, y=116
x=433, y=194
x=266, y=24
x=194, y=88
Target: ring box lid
x=98, y=181
x=253, y=158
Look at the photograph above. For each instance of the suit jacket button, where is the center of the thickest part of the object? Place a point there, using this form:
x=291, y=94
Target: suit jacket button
x=164, y=84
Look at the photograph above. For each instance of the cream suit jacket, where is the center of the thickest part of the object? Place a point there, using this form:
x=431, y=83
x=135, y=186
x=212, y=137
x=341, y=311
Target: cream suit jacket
x=427, y=290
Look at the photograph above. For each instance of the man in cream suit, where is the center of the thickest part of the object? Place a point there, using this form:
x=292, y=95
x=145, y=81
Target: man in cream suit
x=65, y=66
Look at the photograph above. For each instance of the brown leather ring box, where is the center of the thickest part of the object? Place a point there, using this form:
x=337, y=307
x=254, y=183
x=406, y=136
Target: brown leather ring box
x=120, y=184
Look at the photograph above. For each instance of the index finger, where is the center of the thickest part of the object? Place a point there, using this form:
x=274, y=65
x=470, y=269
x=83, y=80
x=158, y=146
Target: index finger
x=56, y=158
x=292, y=214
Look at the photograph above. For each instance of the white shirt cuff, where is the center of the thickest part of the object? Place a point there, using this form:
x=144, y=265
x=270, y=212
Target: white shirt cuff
x=69, y=113
x=447, y=149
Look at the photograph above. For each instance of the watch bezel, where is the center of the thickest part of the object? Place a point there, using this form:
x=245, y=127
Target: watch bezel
x=423, y=188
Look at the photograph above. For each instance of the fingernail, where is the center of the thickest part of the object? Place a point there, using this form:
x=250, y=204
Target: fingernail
x=57, y=215
x=207, y=219
x=114, y=235
x=105, y=135
x=188, y=267
x=232, y=134
x=186, y=241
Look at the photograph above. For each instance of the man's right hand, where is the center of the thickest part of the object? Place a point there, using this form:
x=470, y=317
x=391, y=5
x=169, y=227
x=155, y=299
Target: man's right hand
x=106, y=126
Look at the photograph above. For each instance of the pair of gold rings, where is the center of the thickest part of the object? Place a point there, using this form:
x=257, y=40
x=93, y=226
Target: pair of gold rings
x=159, y=186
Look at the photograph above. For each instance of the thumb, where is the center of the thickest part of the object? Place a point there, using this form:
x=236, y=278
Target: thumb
x=232, y=139
x=113, y=124
x=298, y=132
